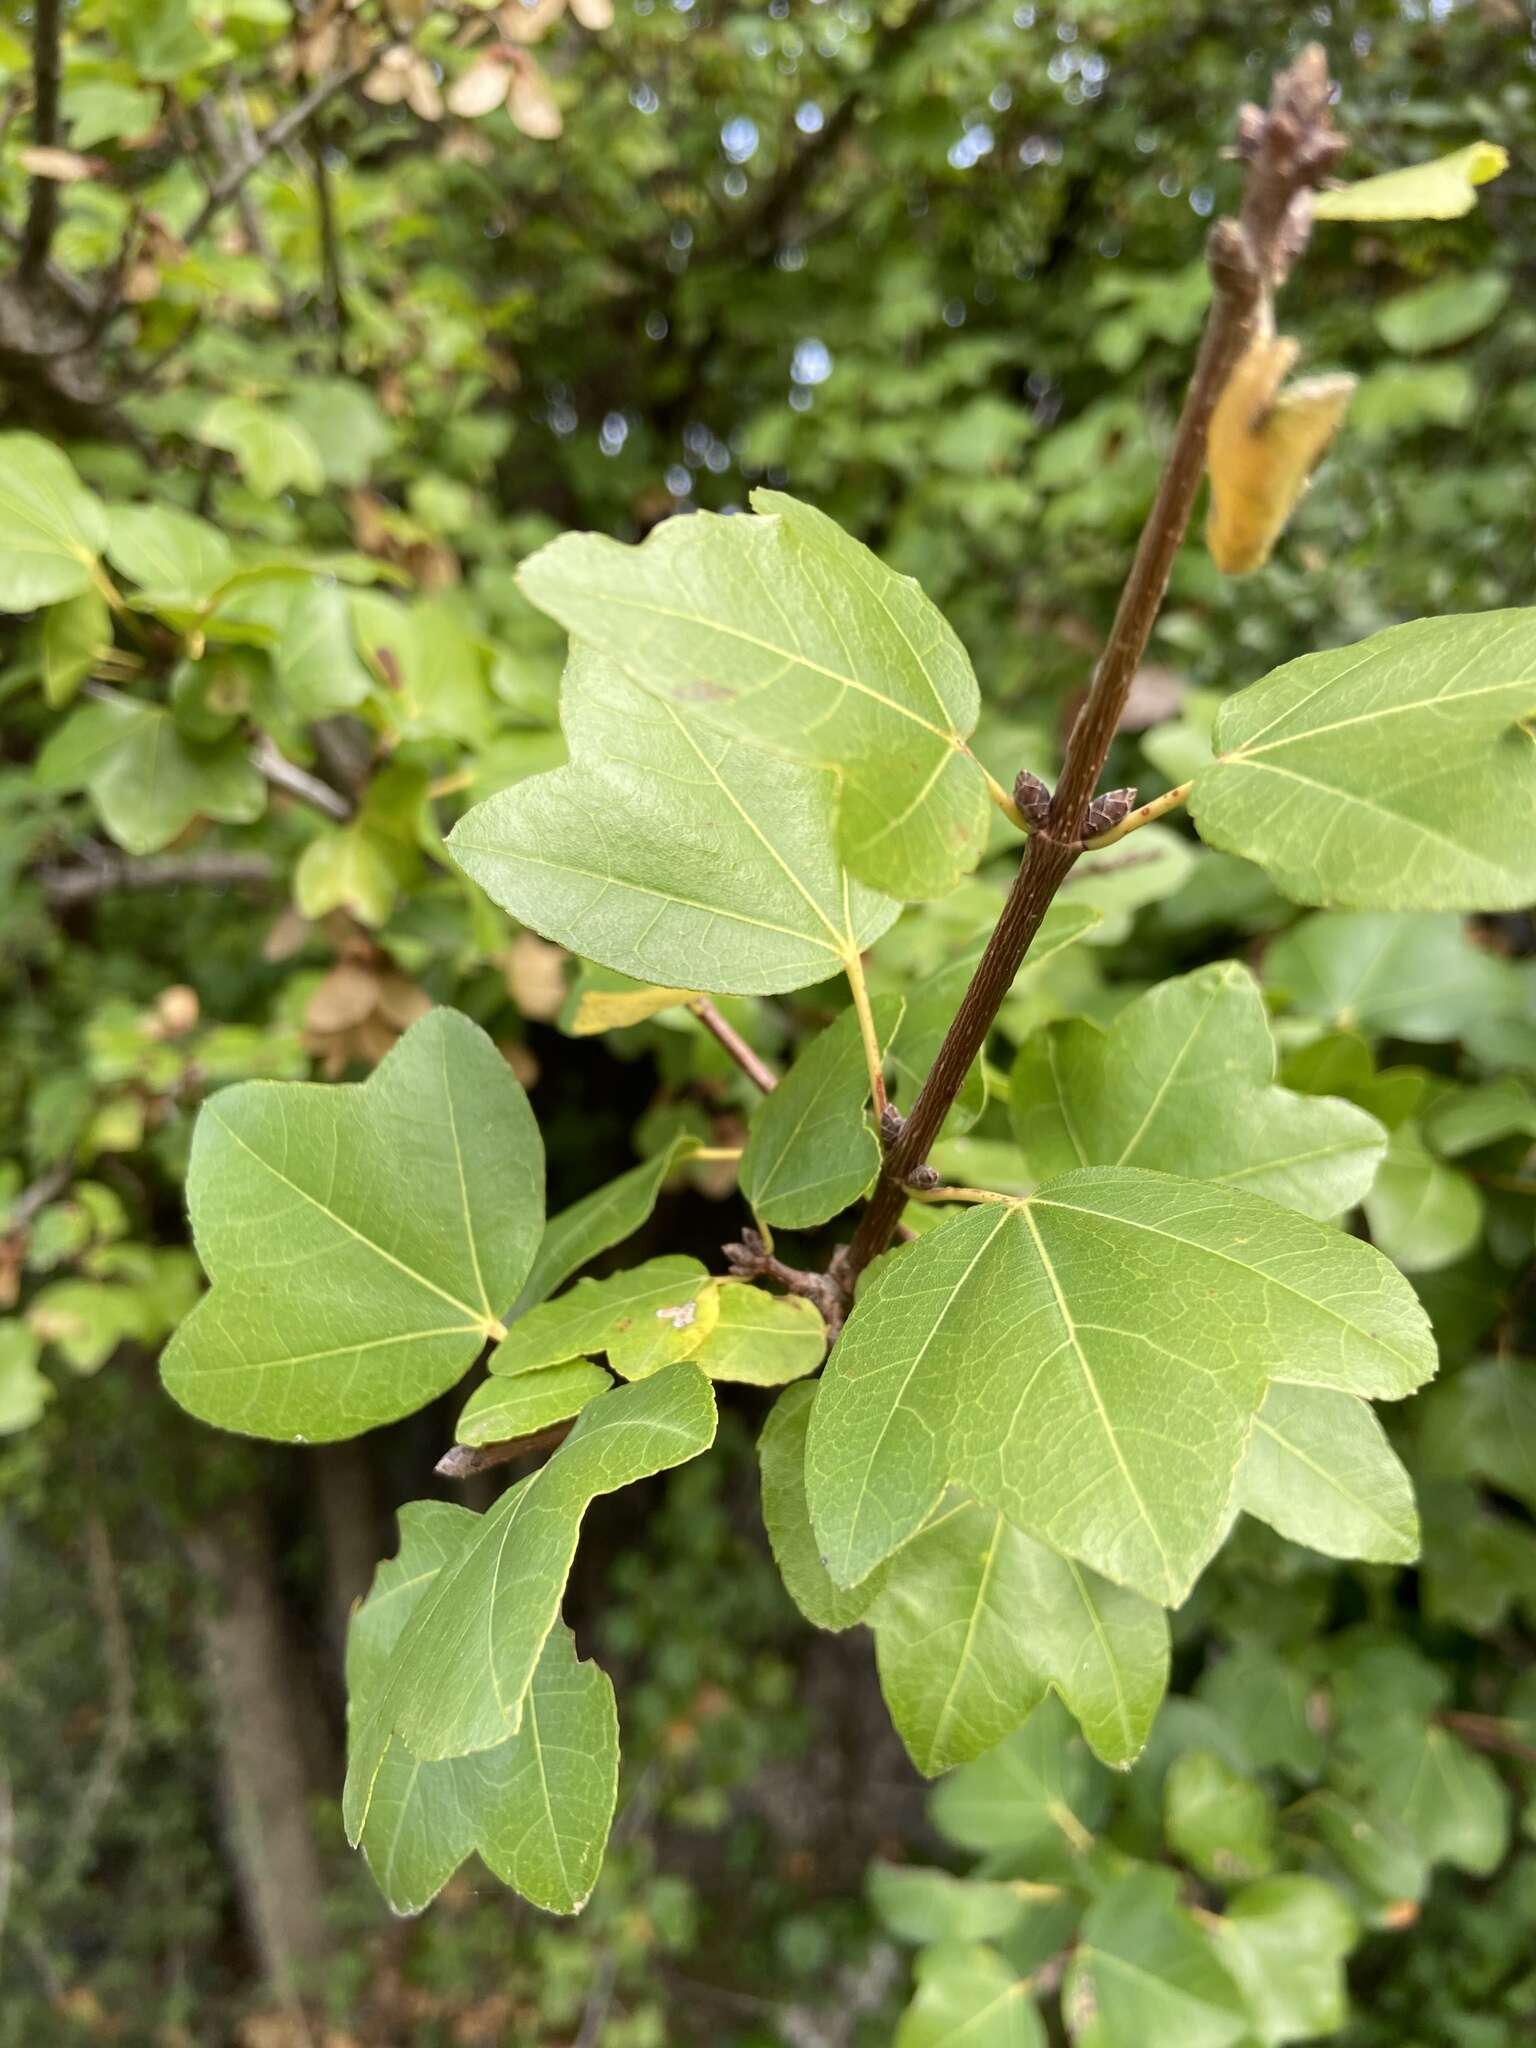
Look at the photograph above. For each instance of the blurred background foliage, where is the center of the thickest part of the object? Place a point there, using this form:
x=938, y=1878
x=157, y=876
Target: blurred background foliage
x=387, y=296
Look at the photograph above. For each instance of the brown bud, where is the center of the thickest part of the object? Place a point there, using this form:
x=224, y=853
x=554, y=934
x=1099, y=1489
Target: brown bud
x=892, y=1123
x=923, y=1178
x=1033, y=798
x=1108, y=811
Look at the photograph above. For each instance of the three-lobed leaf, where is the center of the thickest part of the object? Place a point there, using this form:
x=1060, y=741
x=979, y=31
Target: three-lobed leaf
x=782, y=630
x=362, y=1241
x=1089, y=1362
x=1184, y=1081
x=537, y=1807
x=1396, y=774
x=670, y=850
x=458, y=1679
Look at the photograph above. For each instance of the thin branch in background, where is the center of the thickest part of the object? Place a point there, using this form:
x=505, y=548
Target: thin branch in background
x=37, y=1196
x=599, y=2002
x=333, y=282
x=1290, y=151
x=228, y=159
x=107, y=871
x=757, y=1070
x=282, y=131
x=297, y=782
x=43, y=206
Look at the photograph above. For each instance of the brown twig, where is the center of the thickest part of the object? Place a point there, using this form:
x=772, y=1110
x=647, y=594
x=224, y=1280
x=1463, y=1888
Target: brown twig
x=464, y=1460
x=750, y=1259
x=1289, y=150
x=43, y=205
x=232, y=182
x=1486, y=1731
x=757, y=1071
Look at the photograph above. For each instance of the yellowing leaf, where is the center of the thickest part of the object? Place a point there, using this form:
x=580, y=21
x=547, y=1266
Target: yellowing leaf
x=1442, y=189
x=602, y=1009
x=1263, y=445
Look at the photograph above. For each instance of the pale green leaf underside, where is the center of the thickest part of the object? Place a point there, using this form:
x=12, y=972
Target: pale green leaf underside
x=1038, y=1786
x=458, y=1679
x=1145, y=1973
x=1184, y=1081
x=671, y=851
x=1089, y=1362
x=1320, y=1470
x=52, y=528
x=782, y=630
x=538, y=1807
x=1394, y=775
x=968, y=1996
x=145, y=777
x=978, y=1621
x=811, y=1149
x=363, y=1241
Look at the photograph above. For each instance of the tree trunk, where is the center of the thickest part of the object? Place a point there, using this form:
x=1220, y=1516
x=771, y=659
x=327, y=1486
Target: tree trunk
x=265, y=1789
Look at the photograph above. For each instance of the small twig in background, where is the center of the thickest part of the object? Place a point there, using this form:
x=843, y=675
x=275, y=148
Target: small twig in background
x=297, y=782
x=757, y=1070
x=43, y=206
x=108, y=871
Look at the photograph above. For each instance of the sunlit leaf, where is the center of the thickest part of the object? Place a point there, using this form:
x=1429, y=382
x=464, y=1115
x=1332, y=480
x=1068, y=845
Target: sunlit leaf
x=363, y=1242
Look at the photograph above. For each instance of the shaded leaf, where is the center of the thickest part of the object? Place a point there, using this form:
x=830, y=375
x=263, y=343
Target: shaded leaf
x=1145, y=1976
x=1320, y=1470
x=969, y=1997
x=1405, y=977
x=52, y=529
x=781, y=1457
x=1219, y=1820
x=147, y=780
x=1284, y=1941
x=978, y=1621
x=1183, y=1080
x=1039, y=1786
x=812, y=1149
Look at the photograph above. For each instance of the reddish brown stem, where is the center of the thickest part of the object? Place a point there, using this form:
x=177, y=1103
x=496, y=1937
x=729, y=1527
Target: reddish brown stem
x=1289, y=150
x=757, y=1071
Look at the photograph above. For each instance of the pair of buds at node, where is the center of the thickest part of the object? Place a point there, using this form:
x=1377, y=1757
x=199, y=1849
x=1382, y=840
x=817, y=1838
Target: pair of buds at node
x=1104, y=813
x=892, y=1124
